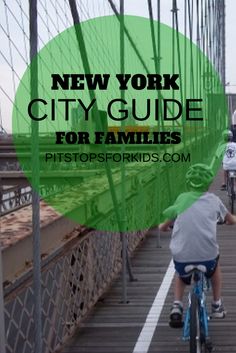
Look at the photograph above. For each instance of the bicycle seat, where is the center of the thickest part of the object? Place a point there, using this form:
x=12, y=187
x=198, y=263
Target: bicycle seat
x=191, y=268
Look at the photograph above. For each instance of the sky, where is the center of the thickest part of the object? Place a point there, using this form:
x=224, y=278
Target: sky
x=231, y=45
x=11, y=72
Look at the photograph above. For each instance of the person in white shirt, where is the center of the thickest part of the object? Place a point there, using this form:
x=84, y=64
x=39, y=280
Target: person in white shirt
x=194, y=238
x=227, y=151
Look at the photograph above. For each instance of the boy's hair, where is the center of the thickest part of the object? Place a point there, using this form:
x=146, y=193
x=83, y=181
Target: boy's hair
x=199, y=177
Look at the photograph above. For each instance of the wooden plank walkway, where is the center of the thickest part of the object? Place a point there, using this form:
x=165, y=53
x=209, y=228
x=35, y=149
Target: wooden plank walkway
x=113, y=327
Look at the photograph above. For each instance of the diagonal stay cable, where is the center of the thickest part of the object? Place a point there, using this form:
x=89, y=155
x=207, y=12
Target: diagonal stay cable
x=156, y=63
x=133, y=44
x=85, y=60
x=175, y=15
x=129, y=36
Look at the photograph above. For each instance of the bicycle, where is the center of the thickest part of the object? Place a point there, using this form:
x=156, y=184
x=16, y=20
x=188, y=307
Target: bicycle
x=230, y=187
x=195, y=328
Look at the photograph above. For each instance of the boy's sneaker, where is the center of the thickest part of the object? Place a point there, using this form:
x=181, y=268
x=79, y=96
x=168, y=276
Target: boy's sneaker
x=176, y=315
x=223, y=187
x=218, y=311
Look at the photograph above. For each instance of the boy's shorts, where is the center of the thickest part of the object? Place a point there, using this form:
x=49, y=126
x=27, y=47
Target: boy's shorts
x=186, y=278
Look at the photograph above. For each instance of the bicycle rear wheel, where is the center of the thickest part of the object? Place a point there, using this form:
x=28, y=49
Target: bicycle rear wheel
x=195, y=329
x=232, y=195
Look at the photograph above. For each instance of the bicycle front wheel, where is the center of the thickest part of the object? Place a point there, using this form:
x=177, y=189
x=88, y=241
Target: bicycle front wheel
x=195, y=329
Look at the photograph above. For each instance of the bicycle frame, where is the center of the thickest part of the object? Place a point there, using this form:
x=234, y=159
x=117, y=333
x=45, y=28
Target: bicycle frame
x=201, y=285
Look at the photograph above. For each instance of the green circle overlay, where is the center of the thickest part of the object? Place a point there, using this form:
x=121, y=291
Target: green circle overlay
x=107, y=184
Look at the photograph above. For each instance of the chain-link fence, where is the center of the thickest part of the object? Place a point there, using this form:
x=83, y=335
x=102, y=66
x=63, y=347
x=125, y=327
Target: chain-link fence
x=72, y=281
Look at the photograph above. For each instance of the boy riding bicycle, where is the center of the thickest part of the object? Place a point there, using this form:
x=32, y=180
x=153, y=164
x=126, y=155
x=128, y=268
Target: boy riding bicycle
x=227, y=150
x=193, y=238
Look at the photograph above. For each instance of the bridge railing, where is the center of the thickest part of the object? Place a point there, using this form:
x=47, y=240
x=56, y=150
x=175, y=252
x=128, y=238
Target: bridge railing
x=74, y=277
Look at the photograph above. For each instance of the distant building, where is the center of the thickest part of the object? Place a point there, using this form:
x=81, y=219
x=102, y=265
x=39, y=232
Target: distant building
x=78, y=122
x=130, y=121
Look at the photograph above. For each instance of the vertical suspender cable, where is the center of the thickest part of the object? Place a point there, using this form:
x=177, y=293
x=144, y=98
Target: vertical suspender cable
x=158, y=71
x=123, y=210
x=173, y=61
x=160, y=125
x=84, y=57
x=35, y=179
x=85, y=60
x=223, y=42
x=159, y=35
x=132, y=43
x=176, y=23
x=223, y=50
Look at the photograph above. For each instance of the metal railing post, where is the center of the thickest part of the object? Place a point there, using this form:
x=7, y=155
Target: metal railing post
x=35, y=180
x=85, y=61
x=2, y=316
